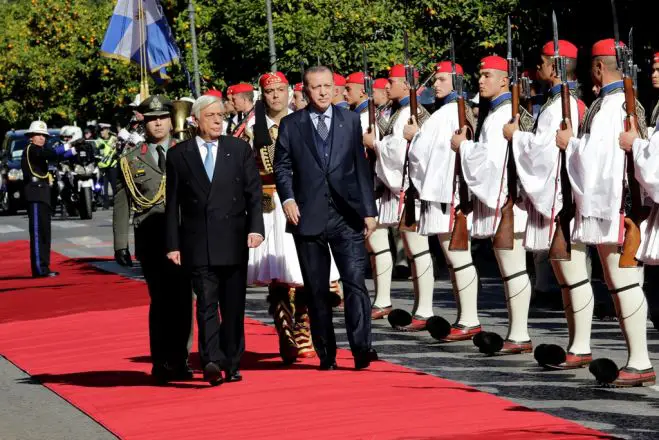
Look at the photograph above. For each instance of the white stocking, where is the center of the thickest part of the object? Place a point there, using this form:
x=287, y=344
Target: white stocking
x=512, y=265
x=578, y=300
x=381, y=266
x=418, y=251
x=631, y=305
x=465, y=282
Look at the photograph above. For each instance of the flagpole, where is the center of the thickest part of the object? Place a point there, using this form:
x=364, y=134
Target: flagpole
x=271, y=36
x=193, y=40
x=144, y=84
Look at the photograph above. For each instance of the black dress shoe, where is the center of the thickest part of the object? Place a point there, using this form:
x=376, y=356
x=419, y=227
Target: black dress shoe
x=161, y=373
x=364, y=359
x=182, y=372
x=232, y=376
x=328, y=366
x=49, y=274
x=213, y=374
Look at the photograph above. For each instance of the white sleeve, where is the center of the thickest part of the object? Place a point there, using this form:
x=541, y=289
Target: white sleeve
x=432, y=162
x=390, y=153
x=536, y=159
x=646, y=159
x=483, y=166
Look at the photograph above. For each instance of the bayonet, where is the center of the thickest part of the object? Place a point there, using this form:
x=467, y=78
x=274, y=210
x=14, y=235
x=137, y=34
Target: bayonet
x=510, y=39
x=616, y=31
x=559, y=61
x=554, y=24
x=512, y=63
x=457, y=79
x=368, y=80
x=620, y=52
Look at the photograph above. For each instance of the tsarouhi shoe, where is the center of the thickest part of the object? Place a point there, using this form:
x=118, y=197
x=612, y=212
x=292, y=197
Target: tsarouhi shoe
x=380, y=312
x=516, y=347
x=631, y=377
x=461, y=332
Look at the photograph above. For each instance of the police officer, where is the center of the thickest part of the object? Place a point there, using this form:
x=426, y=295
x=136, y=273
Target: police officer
x=106, y=145
x=34, y=164
x=141, y=188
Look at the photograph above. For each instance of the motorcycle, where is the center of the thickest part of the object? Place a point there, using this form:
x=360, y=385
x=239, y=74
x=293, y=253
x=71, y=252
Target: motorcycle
x=78, y=181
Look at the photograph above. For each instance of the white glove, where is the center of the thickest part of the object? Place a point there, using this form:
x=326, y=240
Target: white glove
x=73, y=150
x=123, y=135
x=135, y=139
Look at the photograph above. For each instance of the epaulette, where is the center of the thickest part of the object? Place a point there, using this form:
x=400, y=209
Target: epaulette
x=128, y=151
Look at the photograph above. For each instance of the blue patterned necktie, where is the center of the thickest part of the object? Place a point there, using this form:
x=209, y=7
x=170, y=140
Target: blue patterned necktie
x=323, y=132
x=209, y=163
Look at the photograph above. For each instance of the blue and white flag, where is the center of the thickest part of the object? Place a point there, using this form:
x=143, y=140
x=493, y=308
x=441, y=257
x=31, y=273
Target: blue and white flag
x=125, y=36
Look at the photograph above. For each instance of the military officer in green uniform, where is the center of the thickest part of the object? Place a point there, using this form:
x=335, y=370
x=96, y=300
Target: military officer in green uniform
x=141, y=189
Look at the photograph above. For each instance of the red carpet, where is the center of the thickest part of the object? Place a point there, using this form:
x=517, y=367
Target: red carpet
x=84, y=335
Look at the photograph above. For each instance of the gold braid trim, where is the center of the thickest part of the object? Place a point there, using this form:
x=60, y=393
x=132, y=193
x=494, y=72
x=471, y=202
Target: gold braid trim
x=140, y=199
x=44, y=176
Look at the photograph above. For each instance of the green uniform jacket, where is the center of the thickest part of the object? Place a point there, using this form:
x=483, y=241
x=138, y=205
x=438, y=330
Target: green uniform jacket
x=149, y=223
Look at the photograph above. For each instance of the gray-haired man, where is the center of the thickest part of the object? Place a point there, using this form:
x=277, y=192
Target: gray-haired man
x=214, y=215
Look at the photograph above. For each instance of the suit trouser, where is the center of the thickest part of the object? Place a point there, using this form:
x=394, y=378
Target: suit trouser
x=221, y=335
x=349, y=252
x=170, y=311
x=39, y=221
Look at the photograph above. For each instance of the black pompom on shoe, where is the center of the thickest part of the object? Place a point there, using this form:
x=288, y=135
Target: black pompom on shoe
x=604, y=370
x=399, y=318
x=491, y=343
x=438, y=327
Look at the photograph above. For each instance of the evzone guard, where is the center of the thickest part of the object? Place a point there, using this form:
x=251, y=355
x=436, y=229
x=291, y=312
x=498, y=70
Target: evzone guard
x=433, y=172
x=275, y=263
x=597, y=174
x=485, y=163
x=391, y=153
x=539, y=170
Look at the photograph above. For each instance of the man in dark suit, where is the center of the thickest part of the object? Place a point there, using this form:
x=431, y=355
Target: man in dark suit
x=214, y=214
x=323, y=178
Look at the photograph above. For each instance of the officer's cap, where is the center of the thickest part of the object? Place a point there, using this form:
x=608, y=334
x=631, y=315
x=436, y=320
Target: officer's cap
x=155, y=105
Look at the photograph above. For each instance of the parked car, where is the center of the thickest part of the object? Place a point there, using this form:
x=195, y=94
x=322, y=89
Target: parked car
x=11, y=175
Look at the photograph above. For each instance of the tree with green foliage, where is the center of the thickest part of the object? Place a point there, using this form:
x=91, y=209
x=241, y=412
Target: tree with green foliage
x=51, y=66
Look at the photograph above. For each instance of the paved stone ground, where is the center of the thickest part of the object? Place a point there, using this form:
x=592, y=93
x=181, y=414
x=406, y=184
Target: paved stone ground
x=632, y=413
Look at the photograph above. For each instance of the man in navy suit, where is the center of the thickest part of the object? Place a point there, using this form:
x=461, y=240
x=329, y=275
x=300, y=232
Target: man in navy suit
x=323, y=178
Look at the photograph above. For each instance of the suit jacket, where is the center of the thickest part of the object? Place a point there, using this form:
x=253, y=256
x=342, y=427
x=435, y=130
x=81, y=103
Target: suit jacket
x=208, y=222
x=302, y=175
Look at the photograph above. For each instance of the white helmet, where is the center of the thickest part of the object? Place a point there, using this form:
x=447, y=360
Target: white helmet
x=38, y=127
x=71, y=131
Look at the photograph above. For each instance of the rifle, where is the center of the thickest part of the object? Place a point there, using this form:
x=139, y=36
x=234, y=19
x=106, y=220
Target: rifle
x=561, y=244
x=406, y=204
x=505, y=234
x=525, y=85
x=458, y=220
x=368, y=88
x=629, y=233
